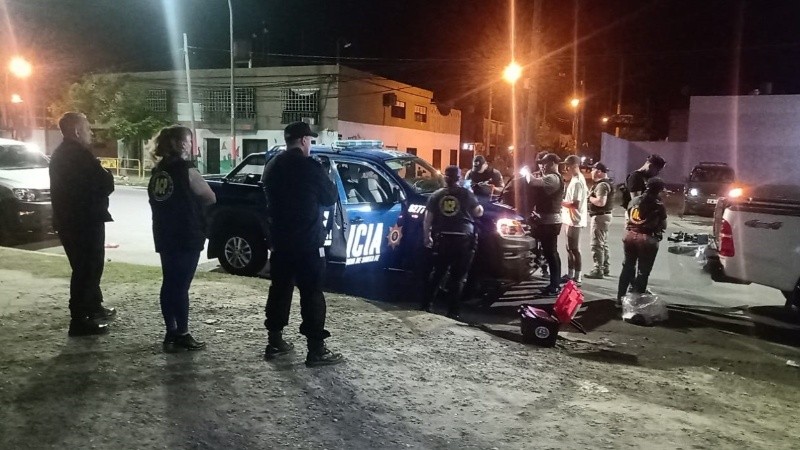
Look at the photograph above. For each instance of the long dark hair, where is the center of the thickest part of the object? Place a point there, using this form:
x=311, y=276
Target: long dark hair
x=167, y=142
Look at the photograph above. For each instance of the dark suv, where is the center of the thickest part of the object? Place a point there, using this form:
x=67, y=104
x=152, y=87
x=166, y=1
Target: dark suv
x=708, y=181
x=377, y=221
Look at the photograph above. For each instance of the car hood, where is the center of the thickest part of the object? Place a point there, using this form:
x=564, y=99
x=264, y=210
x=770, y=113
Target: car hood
x=38, y=178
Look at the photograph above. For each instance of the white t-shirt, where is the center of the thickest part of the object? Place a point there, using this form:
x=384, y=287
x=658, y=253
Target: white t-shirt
x=577, y=191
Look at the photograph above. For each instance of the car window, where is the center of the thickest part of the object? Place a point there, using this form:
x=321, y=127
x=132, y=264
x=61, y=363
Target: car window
x=712, y=174
x=417, y=174
x=21, y=157
x=249, y=171
x=363, y=184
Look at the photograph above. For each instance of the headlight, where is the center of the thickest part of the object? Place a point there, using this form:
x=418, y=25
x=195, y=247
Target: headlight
x=693, y=192
x=735, y=193
x=510, y=227
x=25, y=195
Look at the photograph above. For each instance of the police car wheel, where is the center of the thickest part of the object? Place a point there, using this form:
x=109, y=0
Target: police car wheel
x=243, y=253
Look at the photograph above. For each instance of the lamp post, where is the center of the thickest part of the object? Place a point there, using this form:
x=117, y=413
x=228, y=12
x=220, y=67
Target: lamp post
x=575, y=103
x=20, y=68
x=234, y=156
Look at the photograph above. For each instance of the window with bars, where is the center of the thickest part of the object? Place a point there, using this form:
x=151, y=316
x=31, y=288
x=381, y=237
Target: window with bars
x=156, y=100
x=420, y=114
x=399, y=109
x=300, y=105
x=216, y=104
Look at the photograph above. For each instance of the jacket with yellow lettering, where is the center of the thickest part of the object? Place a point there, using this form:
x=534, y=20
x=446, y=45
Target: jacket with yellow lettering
x=647, y=215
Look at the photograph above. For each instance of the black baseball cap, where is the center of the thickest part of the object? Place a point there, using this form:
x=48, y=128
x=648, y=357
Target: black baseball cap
x=549, y=158
x=655, y=185
x=478, y=161
x=656, y=160
x=298, y=130
x=600, y=166
x=452, y=172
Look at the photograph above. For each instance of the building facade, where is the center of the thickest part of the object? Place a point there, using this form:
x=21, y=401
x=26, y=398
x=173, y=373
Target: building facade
x=336, y=101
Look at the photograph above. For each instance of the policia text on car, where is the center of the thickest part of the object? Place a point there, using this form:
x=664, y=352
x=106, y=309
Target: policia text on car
x=449, y=229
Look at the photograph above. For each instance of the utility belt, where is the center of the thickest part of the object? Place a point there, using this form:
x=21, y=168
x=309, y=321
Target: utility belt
x=591, y=214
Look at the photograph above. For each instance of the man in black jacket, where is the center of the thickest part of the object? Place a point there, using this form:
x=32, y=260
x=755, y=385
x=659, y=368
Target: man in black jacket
x=79, y=189
x=297, y=187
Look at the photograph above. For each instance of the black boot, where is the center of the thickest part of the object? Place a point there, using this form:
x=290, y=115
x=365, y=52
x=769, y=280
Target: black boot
x=103, y=314
x=319, y=355
x=184, y=342
x=86, y=327
x=276, y=346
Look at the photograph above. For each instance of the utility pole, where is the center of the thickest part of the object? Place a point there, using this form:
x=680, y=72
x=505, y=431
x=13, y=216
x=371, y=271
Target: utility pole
x=234, y=156
x=532, y=122
x=192, y=156
x=620, y=84
x=489, y=125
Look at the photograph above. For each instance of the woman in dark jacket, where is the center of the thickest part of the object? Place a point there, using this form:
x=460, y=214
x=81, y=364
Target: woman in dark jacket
x=178, y=195
x=647, y=220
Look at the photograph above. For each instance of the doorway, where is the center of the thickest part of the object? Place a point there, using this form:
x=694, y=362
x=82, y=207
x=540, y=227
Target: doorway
x=212, y=155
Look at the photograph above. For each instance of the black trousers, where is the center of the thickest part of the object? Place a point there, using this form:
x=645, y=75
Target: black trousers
x=454, y=252
x=85, y=249
x=640, y=249
x=547, y=234
x=307, y=271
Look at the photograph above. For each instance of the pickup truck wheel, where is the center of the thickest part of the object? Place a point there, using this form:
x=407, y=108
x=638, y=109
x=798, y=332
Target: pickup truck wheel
x=243, y=253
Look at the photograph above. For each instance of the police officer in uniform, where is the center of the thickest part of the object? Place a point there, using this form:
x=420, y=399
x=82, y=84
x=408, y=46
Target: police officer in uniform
x=647, y=220
x=297, y=188
x=450, y=231
x=178, y=194
x=600, y=208
x=550, y=186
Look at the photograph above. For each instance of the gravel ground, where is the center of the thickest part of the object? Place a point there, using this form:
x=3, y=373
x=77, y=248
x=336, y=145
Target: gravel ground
x=411, y=380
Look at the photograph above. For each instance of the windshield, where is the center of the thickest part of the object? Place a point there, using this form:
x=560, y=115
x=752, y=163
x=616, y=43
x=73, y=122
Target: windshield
x=417, y=174
x=712, y=174
x=21, y=157
x=249, y=171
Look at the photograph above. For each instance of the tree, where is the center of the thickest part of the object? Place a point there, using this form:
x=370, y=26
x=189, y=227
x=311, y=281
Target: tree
x=118, y=108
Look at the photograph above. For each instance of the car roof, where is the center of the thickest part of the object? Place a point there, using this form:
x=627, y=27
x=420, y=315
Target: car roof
x=4, y=141
x=376, y=154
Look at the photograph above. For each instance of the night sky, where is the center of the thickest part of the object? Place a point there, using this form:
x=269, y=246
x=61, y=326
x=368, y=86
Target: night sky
x=671, y=49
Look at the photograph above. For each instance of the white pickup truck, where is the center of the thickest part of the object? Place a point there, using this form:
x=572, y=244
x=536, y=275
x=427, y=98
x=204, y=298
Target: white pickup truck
x=758, y=238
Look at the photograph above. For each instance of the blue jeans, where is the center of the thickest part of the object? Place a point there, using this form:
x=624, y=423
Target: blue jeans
x=177, y=269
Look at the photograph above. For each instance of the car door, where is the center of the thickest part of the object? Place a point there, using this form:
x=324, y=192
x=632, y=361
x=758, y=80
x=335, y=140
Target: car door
x=371, y=207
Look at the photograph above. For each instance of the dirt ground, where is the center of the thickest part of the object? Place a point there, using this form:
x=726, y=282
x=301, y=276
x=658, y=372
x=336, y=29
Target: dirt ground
x=411, y=380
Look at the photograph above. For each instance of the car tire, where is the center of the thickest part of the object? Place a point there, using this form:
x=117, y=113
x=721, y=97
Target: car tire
x=243, y=252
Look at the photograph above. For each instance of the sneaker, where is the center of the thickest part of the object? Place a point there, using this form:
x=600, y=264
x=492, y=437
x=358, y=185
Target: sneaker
x=578, y=282
x=169, y=343
x=595, y=275
x=277, y=347
x=565, y=278
x=606, y=272
x=618, y=302
x=86, y=327
x=183, y=342
x=104, y=314
x=323, y=357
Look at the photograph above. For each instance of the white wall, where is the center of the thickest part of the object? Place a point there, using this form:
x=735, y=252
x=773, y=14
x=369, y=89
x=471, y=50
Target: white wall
x=758, y=135
x=623, y=157
x=403, y=138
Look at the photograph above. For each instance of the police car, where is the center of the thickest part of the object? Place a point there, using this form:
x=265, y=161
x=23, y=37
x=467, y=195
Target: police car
x=377, y=221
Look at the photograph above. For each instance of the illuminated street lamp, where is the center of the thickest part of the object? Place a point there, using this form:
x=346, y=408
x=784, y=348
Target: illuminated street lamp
x=20, y=67
x=16, y=98
x=512, y=72
x=604, y=120
x=575, y=102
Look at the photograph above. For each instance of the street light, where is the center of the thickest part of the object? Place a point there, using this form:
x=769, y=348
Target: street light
x=16, y=98
x=575, y=102
x=20, y=67
x=604, y=120
x=512, y=72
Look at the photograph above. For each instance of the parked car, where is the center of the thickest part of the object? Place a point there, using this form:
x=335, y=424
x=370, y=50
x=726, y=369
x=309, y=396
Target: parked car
x=757, y=234
x=24, y=190
x=377, y=221
x=707, y=182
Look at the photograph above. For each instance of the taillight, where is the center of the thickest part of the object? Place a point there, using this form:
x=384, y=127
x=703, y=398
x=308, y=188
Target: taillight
x=726, y=247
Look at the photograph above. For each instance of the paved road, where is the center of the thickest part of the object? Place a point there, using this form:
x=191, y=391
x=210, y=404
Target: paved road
x=678, y=278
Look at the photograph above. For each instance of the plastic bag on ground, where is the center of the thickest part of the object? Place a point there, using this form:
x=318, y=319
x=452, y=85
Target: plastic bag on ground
x=644, y=309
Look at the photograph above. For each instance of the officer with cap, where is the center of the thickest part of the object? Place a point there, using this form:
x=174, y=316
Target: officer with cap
x=647, y=220
x=486, y=181
x=450, y=231
x=297, y=188
x=600, y=208
x=548, y=208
